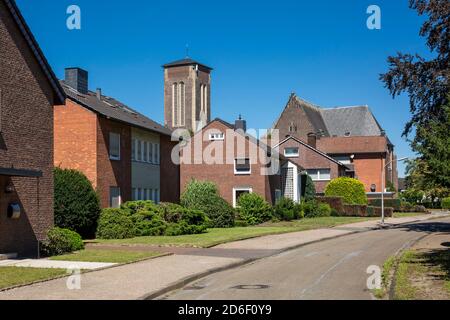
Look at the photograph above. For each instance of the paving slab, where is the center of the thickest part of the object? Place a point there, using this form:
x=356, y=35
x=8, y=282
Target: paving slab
x=55, y=264
x=132, y=281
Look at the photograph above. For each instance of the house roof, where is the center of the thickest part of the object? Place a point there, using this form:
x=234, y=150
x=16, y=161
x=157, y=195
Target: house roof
x=36, y=50
x=339, y=121
x=352, y=121
x=185, y=62
x=311, y=148
x=114, y=109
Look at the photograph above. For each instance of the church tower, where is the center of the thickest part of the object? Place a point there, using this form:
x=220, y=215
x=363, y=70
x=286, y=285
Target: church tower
x=187, y=95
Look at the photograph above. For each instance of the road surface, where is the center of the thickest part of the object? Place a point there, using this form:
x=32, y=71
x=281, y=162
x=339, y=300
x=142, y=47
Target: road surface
x=332, y=269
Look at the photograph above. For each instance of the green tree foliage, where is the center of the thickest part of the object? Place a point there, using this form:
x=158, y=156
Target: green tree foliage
x=351, y=190
x=204, y=196
x=310, y=191
x=76, y=204
x=253, y=209
x=426, y=81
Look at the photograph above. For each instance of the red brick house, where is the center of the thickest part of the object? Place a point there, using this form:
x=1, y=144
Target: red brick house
x=321, y=167
x=350, y=135
x=237, y=163
x=125, y=155
x=28, y=92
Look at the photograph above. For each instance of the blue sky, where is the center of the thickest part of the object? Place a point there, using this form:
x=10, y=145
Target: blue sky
x=260, y=51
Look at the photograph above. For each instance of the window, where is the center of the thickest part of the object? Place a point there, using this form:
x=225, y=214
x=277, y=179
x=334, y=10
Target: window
x=216, y=136
x=145, y=153
x=343, y=159
x=242, y=166
x=133, y=149
x=156, y=152
x=292, y=127
x=319, y=174
x=239, y=191
x=291, y=152
x=157, y=196
x=178, y=104
x=115, y=200
x=133, y=194
x=114, y=146
x=150, y=152
x=277, y=194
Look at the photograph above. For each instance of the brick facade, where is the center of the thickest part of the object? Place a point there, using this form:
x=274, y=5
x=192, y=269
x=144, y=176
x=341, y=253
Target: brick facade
x=222, y=174
x=26, y=139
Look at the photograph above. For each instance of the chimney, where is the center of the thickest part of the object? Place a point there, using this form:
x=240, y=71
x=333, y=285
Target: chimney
x=77, y=79
x=99, y=94
x=240, y=124
x=312, y=140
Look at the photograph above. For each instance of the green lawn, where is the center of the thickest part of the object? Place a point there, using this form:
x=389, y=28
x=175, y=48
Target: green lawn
x=407, y=214
x=113, y=256
x=13, y=276
x=217, y=236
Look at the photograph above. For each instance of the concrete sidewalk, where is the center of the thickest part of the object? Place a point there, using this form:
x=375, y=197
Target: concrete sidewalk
x=151, y=277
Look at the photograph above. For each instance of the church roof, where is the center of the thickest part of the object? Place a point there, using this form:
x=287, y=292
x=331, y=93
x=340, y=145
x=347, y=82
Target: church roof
x=185, y=62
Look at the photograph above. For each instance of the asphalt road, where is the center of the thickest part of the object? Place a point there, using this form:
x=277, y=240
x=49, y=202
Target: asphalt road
x=332, y=269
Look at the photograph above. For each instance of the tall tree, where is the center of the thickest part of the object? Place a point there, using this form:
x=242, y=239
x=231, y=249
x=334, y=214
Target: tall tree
x=426, y=81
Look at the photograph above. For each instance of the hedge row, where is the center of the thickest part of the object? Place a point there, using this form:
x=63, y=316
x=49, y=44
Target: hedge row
x=145, y=218
x=341, y=209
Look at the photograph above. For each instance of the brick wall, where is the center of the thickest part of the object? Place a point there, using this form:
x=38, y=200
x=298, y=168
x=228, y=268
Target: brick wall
x=223, y=174
x=76, y=139
x=112, y=173
x=26, y=141
x=368, y=170
x=170, y=172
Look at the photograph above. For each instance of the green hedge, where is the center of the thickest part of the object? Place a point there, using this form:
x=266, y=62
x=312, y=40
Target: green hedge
x=60, y=241
x=393, y=203
x=445, y=203
x=351, y=190
x=76, y=204
x=145, y=218
x=253, y=209
x=204, y=196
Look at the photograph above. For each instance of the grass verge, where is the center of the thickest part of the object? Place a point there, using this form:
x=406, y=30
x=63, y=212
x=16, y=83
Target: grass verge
x=111, y=256
x=218, y=236
x=386, y=277
x=408, y=214
x=14, y=276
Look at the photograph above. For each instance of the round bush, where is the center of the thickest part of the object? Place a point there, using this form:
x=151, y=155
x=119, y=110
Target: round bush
x=76, y=204
x=253, y=209
x=203, y=196
x=115, y=224
x=183, y=220
x=285, y=209
x=60, y=241
x=351, y=190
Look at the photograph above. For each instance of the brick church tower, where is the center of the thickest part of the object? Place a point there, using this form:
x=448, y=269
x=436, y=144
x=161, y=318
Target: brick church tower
x=187, y=95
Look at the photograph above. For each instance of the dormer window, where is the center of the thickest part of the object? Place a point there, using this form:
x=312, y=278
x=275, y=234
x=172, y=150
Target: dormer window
x=216, y=136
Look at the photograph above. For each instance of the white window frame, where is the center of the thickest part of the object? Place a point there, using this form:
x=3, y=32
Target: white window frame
x=293, y=155
x=240, y=172
x=318, y=174
x=249, y=189
x=113, y=157
x=217, y=136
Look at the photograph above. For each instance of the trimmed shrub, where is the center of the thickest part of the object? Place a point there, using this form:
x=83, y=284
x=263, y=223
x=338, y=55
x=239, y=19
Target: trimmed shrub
x=204, y=196
x=253, y=209
x=183, y=220
x=115, y=224
x=445, y=203
x=285, y=209
x=60, y=241
x=310, y=189
x=393, y=203
x=323, y=210
x=148, y=223
x=314, y=208
x=336, y=204
x=76, y=204
x=351, y=190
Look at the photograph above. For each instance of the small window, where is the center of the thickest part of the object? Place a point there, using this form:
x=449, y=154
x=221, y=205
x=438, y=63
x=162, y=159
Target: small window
x=277, y=194
x=237, y=192
x=156, y=153
x=150, y=152
x=133, y=194
x=115, y=199
x=139, y=151
x=114, y=146
x=216, y=136
x=145, y=155
x=133, y=149
x=343, y=159
x=291, y=152
x=157, y=196
x=242, y=166
x=319, y=174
